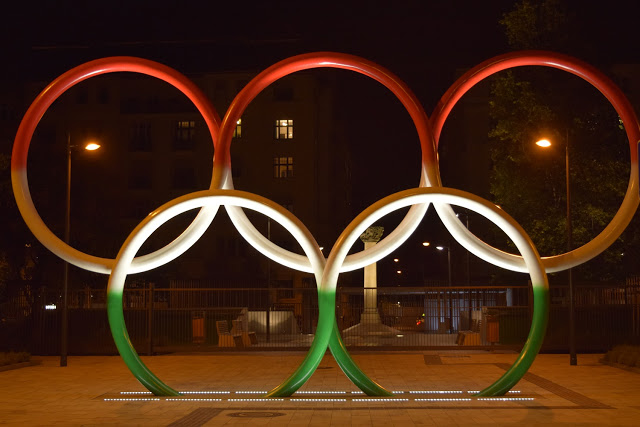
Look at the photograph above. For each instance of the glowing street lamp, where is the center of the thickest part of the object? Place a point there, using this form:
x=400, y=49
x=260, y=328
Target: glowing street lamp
x=545, y=143
x=92, y=146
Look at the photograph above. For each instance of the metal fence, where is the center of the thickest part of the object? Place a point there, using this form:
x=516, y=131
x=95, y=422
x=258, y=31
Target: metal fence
x=181, y=320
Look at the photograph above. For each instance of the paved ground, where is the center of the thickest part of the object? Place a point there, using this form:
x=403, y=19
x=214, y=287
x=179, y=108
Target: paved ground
x=89, y=389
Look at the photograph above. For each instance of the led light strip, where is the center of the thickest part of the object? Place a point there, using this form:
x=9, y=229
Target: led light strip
x=139, y=399
x=178, y=399
x=298, y=400
x=320, y=392
x=506, y=398
x=435, y=392
x=462, y=399
x=271, y=399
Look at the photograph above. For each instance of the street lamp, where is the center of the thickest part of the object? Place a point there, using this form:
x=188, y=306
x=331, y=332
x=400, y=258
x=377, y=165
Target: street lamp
x=441, y=248
x=573, y=359
x=91, y=146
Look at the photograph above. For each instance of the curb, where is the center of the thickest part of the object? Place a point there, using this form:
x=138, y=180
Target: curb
x=19, y=365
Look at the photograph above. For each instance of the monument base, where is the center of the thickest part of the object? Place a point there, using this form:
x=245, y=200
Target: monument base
x=370, y=324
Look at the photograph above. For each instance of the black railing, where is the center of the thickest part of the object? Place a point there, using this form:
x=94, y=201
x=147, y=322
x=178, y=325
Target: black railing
x=170, y=320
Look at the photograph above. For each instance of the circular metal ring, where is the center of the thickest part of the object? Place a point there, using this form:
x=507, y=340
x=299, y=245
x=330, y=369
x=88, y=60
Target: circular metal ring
x=443, y=195
x=622, y=106
x=222, y=175
x=23, y=140
x=163, y=214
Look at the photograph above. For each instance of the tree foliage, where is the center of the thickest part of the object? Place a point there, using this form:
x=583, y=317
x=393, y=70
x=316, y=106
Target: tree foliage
x=528, y=181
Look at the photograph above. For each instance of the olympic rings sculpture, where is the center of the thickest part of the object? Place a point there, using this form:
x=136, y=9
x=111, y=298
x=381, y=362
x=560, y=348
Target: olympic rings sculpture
x=326, y=271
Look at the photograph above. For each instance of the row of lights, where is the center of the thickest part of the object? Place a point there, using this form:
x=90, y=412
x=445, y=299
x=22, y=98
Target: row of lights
x=373, y=400
x=323, y=392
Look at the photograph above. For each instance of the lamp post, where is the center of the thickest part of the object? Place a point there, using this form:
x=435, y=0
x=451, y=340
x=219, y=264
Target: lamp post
x=466, y=217
x=441, y=248
x=573, y=359
x=424, y=277
x=92, y=146
x=467, y=262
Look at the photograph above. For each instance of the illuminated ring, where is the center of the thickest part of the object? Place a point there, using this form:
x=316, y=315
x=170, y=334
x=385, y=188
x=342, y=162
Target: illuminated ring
x=472, y=202
x=622, y=106
x=175, y=207
x=23, y=140
x=328, y=279
x=222, y=176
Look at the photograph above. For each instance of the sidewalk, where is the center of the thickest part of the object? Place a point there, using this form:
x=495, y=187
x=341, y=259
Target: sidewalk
x=551, y=393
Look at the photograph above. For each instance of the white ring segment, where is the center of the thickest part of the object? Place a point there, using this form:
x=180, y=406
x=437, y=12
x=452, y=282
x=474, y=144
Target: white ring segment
x=211, y=198
x=552, y=264
x=440, y=195
x=352, y=262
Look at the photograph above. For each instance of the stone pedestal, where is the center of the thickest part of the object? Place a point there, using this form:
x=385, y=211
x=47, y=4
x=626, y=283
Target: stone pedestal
x=370, y=313
x=370, y=323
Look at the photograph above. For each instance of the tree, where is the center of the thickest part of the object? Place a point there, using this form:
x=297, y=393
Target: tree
x=527, y=181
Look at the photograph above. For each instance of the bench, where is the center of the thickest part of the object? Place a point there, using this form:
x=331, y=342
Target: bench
x=225, y=337
x=468, y=338
x=248, y=338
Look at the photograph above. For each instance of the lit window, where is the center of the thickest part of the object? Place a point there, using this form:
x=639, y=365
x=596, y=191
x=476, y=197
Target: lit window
x=185, y=135
x=284, y=129
x=237, y=132
x=282, y=167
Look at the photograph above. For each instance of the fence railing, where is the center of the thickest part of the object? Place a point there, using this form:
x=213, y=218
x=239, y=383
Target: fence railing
x=171, y=319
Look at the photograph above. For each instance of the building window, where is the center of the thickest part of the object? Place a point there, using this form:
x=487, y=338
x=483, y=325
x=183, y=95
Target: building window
x=103, y=95
x=140, y=176
x=288, y=206
x=237, y=132
x=140, y=137
x=185, y=135
x=284, y=129
x=283, y=93
x=139, y=208
x=282, y=167
x=82, y=95
x=184, y=178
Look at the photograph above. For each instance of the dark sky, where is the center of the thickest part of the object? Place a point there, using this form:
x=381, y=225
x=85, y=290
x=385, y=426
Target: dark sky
x=418, y=40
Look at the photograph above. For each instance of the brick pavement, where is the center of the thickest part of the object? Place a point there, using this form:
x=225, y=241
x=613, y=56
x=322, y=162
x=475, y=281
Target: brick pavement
x=88, y=390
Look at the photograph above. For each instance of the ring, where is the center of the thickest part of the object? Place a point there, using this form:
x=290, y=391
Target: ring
x=622, y=106
x=21, y=149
